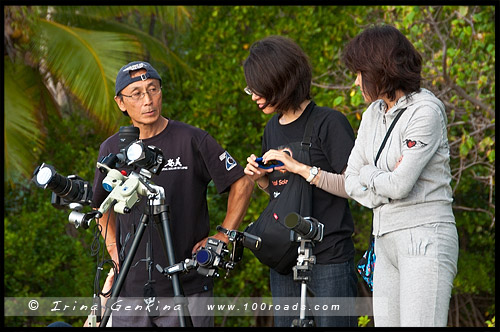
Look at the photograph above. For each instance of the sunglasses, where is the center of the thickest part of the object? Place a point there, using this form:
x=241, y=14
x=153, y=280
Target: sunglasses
x=269, y=164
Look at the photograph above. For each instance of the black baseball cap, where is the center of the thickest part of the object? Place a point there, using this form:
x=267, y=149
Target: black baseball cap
x=123, y=78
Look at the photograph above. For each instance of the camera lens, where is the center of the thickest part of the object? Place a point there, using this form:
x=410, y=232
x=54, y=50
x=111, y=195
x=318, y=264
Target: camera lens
x=46, y=176
x=299, y=224
x=72, y=190
x=135, y=151
x=308, y=227
x=127, y=135
x=204, y=257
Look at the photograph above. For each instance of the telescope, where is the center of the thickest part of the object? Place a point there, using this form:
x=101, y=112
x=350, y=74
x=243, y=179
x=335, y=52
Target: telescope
x=308, y=228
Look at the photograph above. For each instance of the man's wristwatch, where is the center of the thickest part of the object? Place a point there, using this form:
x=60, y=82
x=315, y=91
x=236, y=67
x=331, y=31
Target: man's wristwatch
x=312, y=173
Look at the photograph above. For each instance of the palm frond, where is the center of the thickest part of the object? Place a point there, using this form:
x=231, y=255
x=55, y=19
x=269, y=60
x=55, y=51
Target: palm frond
x=177, y=17
x=22, y=136
x=86, y=63
x=158, y=51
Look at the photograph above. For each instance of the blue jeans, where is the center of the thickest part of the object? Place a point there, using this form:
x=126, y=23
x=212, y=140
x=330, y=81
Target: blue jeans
x=328, y=282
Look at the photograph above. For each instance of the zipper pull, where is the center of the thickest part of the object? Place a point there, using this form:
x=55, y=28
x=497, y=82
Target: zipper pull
x=384, y=118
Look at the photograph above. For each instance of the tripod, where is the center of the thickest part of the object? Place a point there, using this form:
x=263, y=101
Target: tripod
x=302, y=272
x=156, y=207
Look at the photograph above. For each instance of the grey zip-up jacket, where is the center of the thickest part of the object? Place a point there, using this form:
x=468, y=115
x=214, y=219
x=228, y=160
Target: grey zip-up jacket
x=418, y=191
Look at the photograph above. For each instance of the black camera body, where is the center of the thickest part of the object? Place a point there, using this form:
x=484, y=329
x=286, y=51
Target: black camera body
x=133, y=152
x=211, y=258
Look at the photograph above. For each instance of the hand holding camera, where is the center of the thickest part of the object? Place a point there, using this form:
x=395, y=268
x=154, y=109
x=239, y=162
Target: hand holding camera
x=269, y=164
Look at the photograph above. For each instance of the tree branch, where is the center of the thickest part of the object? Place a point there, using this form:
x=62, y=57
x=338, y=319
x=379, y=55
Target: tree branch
x=461, y=92
x=331, y=87
x=491, y=125
x=465, y=208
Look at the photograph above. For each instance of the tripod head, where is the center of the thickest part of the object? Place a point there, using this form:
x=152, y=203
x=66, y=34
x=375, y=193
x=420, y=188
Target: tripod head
x=125, y=192
x=308, y=231
x=209, y=259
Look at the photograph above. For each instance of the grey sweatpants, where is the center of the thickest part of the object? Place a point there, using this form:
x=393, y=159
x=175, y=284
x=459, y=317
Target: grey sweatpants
x=413, y=275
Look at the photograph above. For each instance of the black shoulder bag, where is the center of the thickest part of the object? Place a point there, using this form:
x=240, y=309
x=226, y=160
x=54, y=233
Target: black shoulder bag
x=278, y=249
x=366, y=264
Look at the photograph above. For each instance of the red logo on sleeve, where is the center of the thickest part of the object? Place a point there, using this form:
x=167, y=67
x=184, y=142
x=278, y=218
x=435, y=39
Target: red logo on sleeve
x=411, y=143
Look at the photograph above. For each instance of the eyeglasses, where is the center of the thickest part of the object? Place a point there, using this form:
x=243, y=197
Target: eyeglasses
x=248, y=91
x=136, y=96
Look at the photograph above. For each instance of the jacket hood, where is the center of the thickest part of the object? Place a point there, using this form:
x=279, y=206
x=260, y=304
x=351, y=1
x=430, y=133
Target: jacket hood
x=423, y=97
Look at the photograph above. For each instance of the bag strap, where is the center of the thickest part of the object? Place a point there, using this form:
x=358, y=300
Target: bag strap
x=306, y=199
x=306, y=140
x=389, y=133
x=380, y=151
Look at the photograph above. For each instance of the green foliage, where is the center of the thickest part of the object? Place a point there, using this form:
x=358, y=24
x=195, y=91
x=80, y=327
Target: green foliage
x=19, y=118
x=363, y=321
x=475, y=273
x=458, y=47
x=44, y=255
x=33, y=269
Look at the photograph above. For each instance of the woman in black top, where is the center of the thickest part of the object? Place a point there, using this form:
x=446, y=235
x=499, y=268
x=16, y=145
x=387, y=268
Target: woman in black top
x=278, y=76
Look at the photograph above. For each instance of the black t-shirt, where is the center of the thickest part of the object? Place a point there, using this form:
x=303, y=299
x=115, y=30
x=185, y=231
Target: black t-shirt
x=332, y=142
x=194, y=159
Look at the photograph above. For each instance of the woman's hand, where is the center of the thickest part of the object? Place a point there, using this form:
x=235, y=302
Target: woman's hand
x=399, y=162
x=289, y=164
x=252, y=169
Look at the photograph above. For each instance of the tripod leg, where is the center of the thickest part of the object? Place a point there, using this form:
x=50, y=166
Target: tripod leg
x=118, y=284
x=179, y=298
x=310, y=292
x=303, y=290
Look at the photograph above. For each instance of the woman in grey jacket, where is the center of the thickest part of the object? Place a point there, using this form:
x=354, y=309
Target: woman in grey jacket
x=408, y=188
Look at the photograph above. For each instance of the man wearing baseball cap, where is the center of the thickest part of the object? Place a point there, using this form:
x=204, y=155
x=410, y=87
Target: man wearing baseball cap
x=194, y=159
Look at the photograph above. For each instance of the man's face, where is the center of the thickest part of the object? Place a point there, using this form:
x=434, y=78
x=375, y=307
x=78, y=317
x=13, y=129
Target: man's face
x=147, y=109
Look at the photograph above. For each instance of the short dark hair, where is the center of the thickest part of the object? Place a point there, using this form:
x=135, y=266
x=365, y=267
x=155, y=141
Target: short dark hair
x=387, y=61
x=121, y=97
x=278, y=70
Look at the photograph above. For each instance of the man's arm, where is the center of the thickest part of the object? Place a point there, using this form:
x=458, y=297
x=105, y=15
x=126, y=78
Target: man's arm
x=108, y=232
x=105, y=288
x=237, y=205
